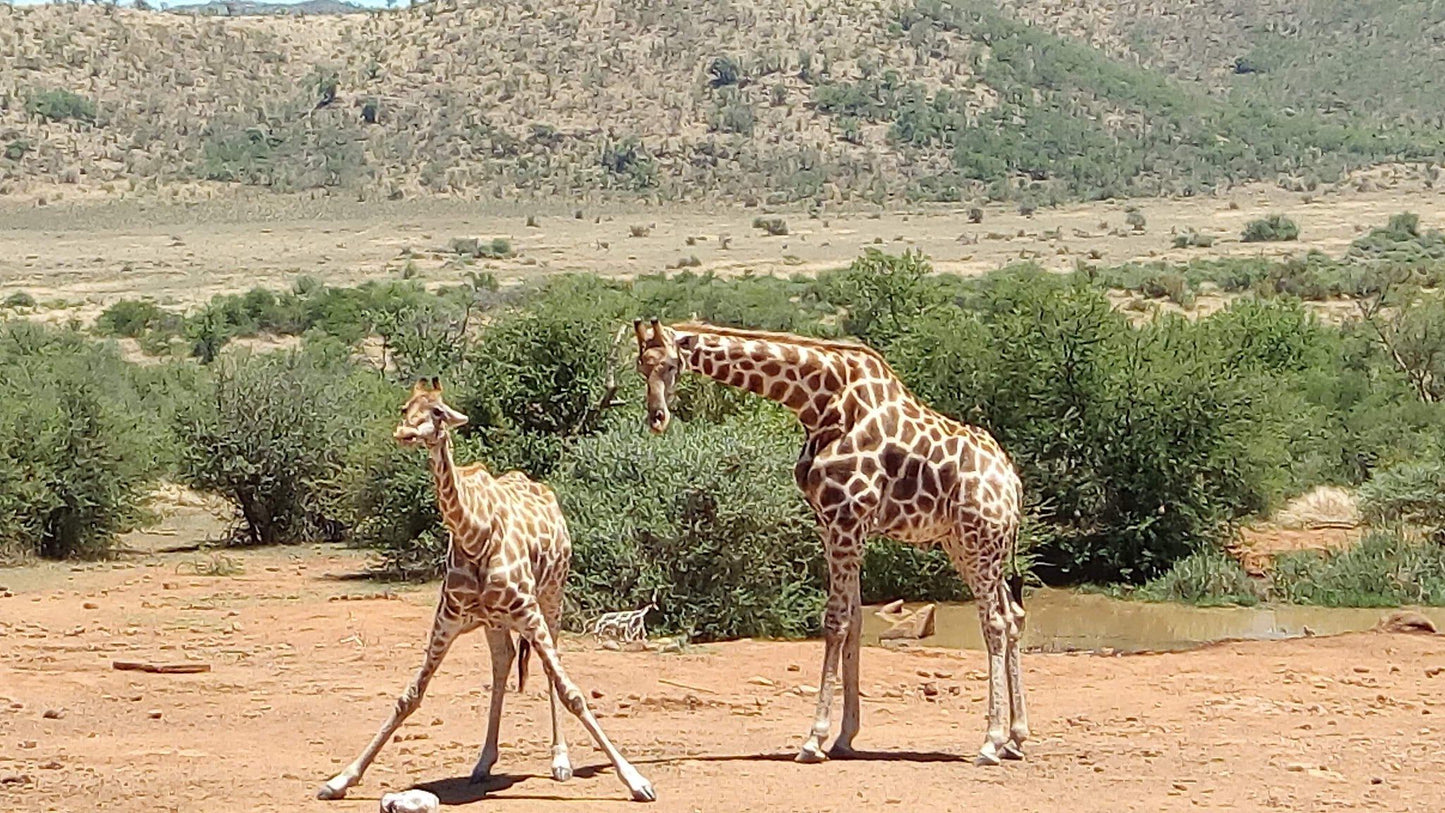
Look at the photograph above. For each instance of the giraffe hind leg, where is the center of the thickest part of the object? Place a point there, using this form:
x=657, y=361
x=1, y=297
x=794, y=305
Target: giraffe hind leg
x=561, y=761
x=1014, y=630
x=499, y=640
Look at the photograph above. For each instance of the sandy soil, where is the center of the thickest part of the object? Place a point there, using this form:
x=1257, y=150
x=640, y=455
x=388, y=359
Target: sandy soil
x=305, y=665
x=76, y=260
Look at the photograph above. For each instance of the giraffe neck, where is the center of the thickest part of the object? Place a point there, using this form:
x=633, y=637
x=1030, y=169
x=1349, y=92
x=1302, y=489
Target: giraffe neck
x=444, y=474
x=806, y=380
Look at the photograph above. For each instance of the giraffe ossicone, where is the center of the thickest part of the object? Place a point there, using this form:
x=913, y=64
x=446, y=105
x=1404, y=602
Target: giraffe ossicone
x=506, y=567
x=876, y=461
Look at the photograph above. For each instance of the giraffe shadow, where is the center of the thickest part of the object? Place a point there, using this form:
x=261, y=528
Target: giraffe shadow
x=460, y=790
x=856, y=756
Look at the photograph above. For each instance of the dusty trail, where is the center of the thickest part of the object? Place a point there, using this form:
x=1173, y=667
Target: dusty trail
x=301, y=678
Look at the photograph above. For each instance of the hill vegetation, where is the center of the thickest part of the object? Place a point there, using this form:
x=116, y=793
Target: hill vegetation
x=877, y=100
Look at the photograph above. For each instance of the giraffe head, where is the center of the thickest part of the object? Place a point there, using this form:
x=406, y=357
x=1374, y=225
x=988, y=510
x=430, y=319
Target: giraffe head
x=658, y=363
x=426, y=418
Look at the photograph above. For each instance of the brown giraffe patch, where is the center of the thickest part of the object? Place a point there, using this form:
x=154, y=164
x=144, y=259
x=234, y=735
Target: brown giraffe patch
x=875, y=461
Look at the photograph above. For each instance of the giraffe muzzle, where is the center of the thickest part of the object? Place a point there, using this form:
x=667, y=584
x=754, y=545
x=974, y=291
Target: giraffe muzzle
x=658, y=421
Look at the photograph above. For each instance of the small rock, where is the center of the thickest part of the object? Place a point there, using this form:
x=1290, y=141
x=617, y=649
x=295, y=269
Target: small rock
x=759, y=680
x=1362, y=670
x=930, y=689
x=793, y=667
x=52, y=765
x=943, y=675
x=1375, y=780
x=1308, y=633
x=597, y=694
x=411, y=801
x=1405, y=621
x=168, y=585
x=612, y=646
x=891, y=611
x=1296, y=767
x=90, y=605
x=16, y=779
x=154, y=714
x=53, y=714
x=27, y=744
x=917, y=625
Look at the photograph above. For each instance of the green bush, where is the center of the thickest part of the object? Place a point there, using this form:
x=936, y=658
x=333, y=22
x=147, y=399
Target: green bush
x=133, y=318
x=61, y=105
x=19, y=299
x=1271, y=229
x=1207, y=578
x=1383, y=570
x=271, y=433
x=1147, y=441
x=536, y=375
x=75, y=453
x=707, y=516
x=1410, y=494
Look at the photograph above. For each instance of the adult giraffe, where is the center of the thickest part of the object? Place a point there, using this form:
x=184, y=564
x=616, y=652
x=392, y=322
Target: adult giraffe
x=875, y=462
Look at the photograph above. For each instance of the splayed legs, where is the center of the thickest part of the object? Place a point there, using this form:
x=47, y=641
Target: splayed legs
x=445, y=629
x=573, y=700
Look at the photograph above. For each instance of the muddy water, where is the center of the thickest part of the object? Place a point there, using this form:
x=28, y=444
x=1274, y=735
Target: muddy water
x=1063, y=620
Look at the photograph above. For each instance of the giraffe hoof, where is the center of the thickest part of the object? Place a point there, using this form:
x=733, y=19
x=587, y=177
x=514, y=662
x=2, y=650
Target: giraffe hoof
x=644, y=793
x=331, y=791
x=561, y=772
x=841, y=751
x=810, y=755
x=1012, y=751
x=988, y=755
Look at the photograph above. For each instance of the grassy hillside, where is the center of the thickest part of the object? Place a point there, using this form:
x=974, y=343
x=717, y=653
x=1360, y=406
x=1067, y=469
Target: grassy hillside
x=1369, y=64
x=870, y=99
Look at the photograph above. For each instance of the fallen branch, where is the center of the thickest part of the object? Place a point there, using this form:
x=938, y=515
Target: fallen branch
x=667, y=682
x=161, y=668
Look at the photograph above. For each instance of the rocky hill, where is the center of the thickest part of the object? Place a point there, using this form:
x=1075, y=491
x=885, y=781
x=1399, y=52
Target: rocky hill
x=709, y=100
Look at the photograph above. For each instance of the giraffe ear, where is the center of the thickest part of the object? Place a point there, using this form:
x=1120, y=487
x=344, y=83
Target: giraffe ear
x=641, y=333
x=419, y=386
x=657, y=335
x=436, y=384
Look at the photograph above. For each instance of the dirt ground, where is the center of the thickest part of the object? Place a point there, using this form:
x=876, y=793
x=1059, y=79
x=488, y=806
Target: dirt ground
x=304, y=666
x=76, y=260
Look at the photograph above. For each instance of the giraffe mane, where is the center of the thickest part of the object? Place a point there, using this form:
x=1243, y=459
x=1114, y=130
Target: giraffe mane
x=778, y=337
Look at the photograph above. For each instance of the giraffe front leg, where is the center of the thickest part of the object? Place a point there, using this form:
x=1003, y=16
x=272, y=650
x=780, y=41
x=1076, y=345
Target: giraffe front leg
x=572, y=698
x=499, y=640
x=995, y=628
x=445, y=628
x=837, y=617
x=852, y=647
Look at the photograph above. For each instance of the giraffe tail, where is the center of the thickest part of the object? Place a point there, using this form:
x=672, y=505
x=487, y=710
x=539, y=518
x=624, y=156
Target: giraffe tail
x=1015, y=580
x=524, y=653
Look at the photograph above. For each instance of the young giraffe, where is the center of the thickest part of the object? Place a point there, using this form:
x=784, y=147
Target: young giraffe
x=506, y=566
x=876, y=461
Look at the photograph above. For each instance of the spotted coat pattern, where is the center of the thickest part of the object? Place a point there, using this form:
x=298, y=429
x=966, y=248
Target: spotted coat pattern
x=875, y=461
x=506, y=567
